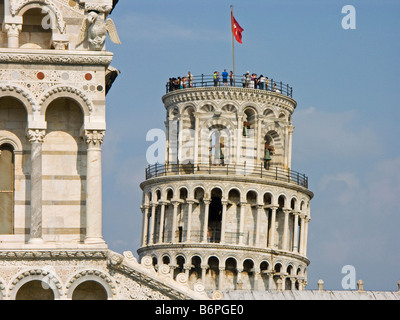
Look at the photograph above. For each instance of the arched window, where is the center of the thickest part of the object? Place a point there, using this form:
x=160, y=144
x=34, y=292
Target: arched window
x=36, y=30
x=35, y=290
x=90, y=290
x=217, y=148
x=6, y=189
x=215, y=216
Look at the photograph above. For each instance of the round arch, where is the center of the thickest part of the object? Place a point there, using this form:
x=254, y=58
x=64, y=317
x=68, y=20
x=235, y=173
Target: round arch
x=20, y=94
x=250, y=106
x=91, y=276
x=7, y=137
x=20, y=7
x=43, y=276
x=66, y=92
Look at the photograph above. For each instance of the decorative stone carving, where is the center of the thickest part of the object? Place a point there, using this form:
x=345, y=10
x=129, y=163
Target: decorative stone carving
x=50, y=58
x=130, y=257
x=95, y=29
x=99, y=8
x=94, y=137
x=68, y=89
x=182, y=279
x=35, y=135
x=8, y=87
x=147, y=262
x=115, y=259
x=217, y=295
x=12, y=29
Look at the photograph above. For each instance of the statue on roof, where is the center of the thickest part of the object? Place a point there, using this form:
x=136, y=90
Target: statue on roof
x=95, y=29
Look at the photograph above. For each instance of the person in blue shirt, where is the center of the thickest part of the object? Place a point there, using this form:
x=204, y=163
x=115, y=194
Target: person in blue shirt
x=225, y=78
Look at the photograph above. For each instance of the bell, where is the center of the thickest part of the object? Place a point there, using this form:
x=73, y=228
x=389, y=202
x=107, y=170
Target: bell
x=267, y=155
x=245, y=133
x=221, y=155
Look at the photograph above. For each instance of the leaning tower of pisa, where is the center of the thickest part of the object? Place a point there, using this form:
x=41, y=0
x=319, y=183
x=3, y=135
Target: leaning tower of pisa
x=226, y=208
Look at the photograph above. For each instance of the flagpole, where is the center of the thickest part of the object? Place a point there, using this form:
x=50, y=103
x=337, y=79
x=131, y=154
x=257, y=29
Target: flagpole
x=233, y=48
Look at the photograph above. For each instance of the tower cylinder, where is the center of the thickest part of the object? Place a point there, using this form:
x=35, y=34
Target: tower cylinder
x=227, y=209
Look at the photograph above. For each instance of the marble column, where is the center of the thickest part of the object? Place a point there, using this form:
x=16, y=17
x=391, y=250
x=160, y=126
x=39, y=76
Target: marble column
x=174, y=220
x=241, y=222
x=189, y=221
x=257, y=278
x=162, y=214
x=204, y=268
x=205, y=224
x=36, y=138
x=196, y=138
x=223, y=222
x=13, y=30
x=152, y=223
x=260, y=209
x=290, y=141
x=296, y=232
x=273, y=227
x=221, y=279
x=302, y=222
x=285, y=245
x=145, y=222
x=94, y=140
x=167, y=151
x=259, y=139
x=307, y=221
x=239, y=138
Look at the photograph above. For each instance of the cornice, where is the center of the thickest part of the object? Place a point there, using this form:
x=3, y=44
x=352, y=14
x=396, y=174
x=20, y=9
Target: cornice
x=230, y=178
x=229, y=94
x=220, y=247
x=55, y=57
x=52, y=254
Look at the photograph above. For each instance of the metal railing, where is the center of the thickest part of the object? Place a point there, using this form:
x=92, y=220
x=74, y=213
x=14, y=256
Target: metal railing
x=204, y=81
x=276, y=173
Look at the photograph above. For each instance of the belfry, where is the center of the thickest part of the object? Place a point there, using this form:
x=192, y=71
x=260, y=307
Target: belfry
x=224, y=217
x=226, y=207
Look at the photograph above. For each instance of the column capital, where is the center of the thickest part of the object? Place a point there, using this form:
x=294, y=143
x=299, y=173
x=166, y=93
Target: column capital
x=290, y=129
x=12, y=29
x=207, y=201
x=175, y=202
x=93, y=137
x=35, y=135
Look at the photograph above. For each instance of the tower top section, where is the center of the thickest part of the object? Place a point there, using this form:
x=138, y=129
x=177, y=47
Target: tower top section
x=224, y=95
x=57, y=24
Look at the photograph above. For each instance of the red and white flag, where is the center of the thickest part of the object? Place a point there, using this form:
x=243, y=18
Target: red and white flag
x=236, y=29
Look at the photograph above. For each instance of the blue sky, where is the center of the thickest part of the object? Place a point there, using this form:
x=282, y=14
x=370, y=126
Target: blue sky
x=346, y=83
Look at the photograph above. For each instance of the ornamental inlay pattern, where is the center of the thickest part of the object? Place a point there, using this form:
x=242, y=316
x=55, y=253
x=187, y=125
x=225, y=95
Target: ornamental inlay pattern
x=38, y=82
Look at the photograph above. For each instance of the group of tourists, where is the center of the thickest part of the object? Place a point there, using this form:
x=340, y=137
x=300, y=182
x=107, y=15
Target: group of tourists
x=180, y=82
x=248, y=80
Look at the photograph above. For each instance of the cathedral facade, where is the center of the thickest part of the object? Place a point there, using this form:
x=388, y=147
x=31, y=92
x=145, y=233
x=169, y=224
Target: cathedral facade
x=224, y=217
x=54, y=76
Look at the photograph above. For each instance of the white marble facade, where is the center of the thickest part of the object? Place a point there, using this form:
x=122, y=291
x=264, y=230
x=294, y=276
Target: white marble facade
x=53, y=85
